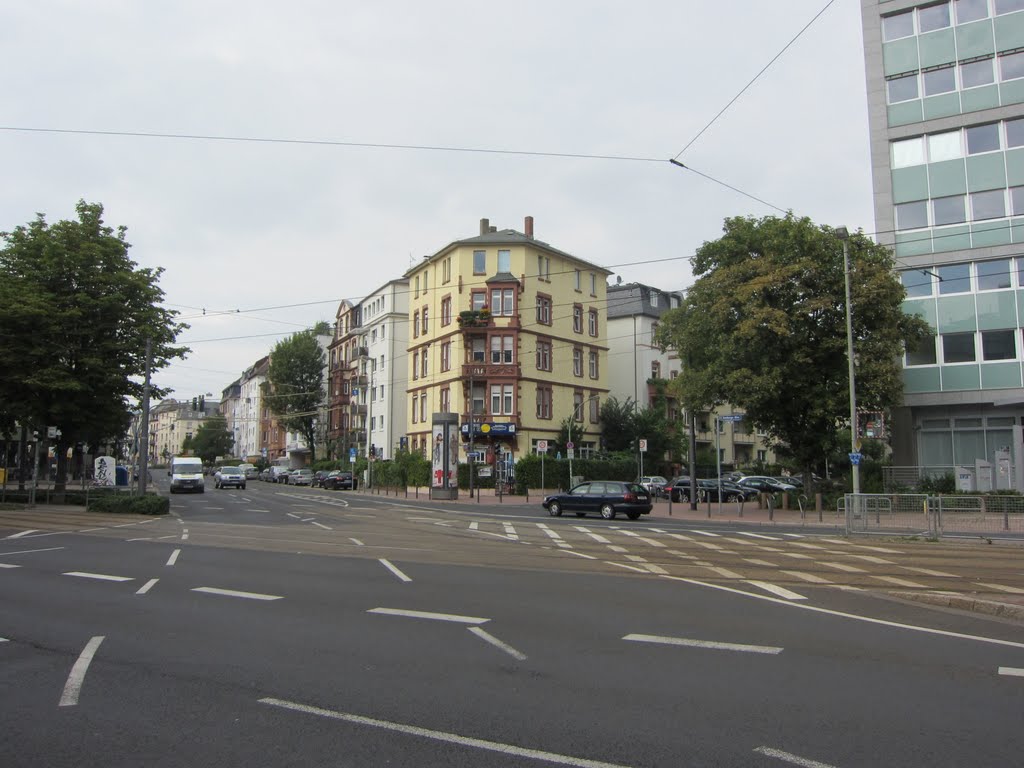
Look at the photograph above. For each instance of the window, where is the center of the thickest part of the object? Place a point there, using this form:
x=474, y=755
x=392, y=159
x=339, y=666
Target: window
x=446, y=400
x=479, y=349
x=1017, y=202
x=576, y=280
x=998, y=345
x=945, y=146
x=544, y=398
x=988, y=205
x=446, y=311
x=415, y=324
x=938, y=81
x=543, y=309
x=593, y=284
x=1014, y=133
x=902, y=88
x=912, y=215
x=1011, y=66
x=971, y=10
x=595, y=409
x=923, y=353
x=975, y=73
x=543, y=355
x=1008, y=6
x=577, y=361
x=479, y=262
x=593, y=365
x=501, y=350
x=982, y=138
x=507, y=399
x=592, y=322
x=477, y=399
x=446, y=356
x=958, y=348
x=993, y=275
x=654, y=299
x=423, y=407
x=504, y=261
x=900, y=25
x=954, y=278
x=544, y=267
x=415, y=406
x=425, y=321
x=478, y=300
x=415, y=365
x=949, y=210
x=501, y=399
x=446, y=270
x=655, y=370
x=577, y=318
x=577, y=405
x=916, y=283
x=416, y=289
x=933, y=17
x=907, y=152
x=423, y=361
x=502, y=303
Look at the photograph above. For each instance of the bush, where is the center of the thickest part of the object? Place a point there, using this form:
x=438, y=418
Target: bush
x=121, y=503
x=943, y=484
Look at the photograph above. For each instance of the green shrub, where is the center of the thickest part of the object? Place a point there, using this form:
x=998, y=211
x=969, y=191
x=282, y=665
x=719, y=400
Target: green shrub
x=943, y=484
x=150, y=504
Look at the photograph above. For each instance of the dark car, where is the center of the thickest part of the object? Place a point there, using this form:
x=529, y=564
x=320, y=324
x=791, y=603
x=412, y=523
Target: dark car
x=678, y=488
x=707, y=490
x=609, y=497
x=318, y=478
x=338, y=481
x=765, y=484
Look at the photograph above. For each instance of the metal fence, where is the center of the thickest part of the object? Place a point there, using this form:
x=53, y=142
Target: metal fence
x=934, y=516
x=897, y=479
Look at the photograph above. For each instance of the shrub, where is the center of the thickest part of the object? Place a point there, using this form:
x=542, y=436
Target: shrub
x=150, y=504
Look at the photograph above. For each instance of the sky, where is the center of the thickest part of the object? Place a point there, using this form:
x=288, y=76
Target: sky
x=263, y=235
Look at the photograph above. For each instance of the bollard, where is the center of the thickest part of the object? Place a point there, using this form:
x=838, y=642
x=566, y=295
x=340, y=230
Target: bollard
x=818, y=506
x=771, y=506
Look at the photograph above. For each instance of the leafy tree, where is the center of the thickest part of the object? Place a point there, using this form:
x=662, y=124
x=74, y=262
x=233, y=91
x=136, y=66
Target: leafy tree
x=295, y=385
x=75, y=314
x=618, y=428
x=764, y=328
x=322, y=328
x=211, y=440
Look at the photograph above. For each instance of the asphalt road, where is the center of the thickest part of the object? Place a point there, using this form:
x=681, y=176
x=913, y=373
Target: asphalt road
x=294, y=626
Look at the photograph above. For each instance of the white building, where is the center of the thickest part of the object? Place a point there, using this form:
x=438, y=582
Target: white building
x=248, y=441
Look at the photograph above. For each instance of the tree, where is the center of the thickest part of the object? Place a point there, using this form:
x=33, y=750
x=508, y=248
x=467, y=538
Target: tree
x=764, y=328
x=75, y=315
x=618, y=426
x=295, y=385
x=211, y=440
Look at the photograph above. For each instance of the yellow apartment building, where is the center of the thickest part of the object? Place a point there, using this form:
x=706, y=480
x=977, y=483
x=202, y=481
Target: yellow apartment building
x=509, y=333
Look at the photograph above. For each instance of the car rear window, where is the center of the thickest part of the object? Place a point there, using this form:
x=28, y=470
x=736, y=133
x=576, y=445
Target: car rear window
x=634, y=488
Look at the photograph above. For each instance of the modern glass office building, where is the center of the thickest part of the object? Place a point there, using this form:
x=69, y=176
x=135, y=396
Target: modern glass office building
x=946, y=105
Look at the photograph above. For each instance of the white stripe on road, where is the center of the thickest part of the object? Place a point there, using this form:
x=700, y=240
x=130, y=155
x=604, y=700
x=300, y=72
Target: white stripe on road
x=627, y=567
x=1011, y=671
x=708, y=545
x=449, y=738
x=754, y=561
x=510, y=531
x=29, y=551
x=638, y=537
x=73, y=687
x=174, y=557
x=767, y=649
x=929, y=572
x=777, y=590
x=236, y=593
x=808, y=577
x=498, y=643
x=24, y=533
x=724, y=572
x=1001, y=588
x=578, y=554
x=805, y=545
x=147, y=586
x=387, y=564
x=759, y=536
x=428, y=615
x=321, y=525
x=554, y=536
x=680, y=536
x=357, y=542
x=474, y=526
x=291, y=515
x=899, y=582
x=707, y=533
x=803, y=762
x=100, y=576
x=9, y=565
x=683, y=555
x=844, y=567
x=618, y=549
x=872, y=559
x=795, y=555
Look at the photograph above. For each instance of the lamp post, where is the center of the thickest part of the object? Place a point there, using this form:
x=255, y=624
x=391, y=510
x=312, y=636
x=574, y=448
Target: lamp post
x=575, y=411
x=844, y=236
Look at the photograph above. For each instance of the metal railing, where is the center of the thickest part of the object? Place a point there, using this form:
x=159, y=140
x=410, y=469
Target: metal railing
x=933, y=516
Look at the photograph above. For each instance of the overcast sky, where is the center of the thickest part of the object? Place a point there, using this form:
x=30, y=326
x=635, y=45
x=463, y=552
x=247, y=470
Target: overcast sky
x=251, y=226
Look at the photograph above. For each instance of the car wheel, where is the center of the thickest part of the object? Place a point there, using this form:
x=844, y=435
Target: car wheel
x=203, y=489
x=555, y=509
x=607, y=511
x=581, y=514
x=243, y=486
x=732, y=497
x=633, y=515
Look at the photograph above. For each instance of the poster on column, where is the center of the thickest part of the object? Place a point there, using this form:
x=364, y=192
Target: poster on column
x=437, y=457
x=453, y=455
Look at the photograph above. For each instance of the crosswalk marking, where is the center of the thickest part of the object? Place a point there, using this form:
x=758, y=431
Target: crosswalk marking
x=899, y=582
x=707, y=533
x=873, y=559
x=808, y=577
x=474, y=526
x=615, y=548
x=805, y=545
x=723, y=572
x=929, y=572
x=596, y=537
x=559, y=541
x=680, y=536
x=844, y=567
x=759, y=536
x=707, y=545
x=754, y=561
x=1001, y=588
x=775, y=589
x=638, y=537
x=796, y=555
x=510, y=531
x=683, y=555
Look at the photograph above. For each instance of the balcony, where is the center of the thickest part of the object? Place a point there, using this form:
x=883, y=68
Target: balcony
x=490, y=370
x=358, y=408
x=474, y=318
x=362, y=351
x=359, y=380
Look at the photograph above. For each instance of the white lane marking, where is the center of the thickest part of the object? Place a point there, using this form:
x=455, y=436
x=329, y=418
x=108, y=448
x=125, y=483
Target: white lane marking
x=184, y=535
x=796, y=555
x=23, y=533
x=899, y=582
x=755, y=561
x=357, y=542
x=596, y=537
x=292, y=515
x=510, y=532
x=429, y=615
x=883, y=550
x=174, y=557
x=708, y=545
x=775, y=589
x=680, y=536
x=636, y=558
x=808, y=577
x=803, y=762
x=627, y=567
x=3, y=640
x=767, y=649
x=615, y=548
x=100, y=576
x=638, y=537
x=73, y=687
x=486, y=636
x=9, y=565
x=655, y=568
x=759, y=536
x=147, y=586
x=321, y=525
x=215, y=509
x=873, y=559
x=554, y=536
x=805, y=545
x=707, y=533
x=474, y=526
x=1001, y=588
x=794, y=535
x=308, y=519
x=443, y=736
x=236, y=593
x=835, y=541
x=929, y=572
x=387, y=564
x=1011, y=671
x=29, y=551
x=578, y=554
x=683, y=555
x=843, y=614
x=90, y=530
x=251, y=509
x=844, y=567
x=724, y=572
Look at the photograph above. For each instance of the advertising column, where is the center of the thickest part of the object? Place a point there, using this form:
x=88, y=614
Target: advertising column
x=444, y=456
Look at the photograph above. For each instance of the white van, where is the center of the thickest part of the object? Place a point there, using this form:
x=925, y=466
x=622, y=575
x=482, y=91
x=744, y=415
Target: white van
x=249, y=471
x=187, y=474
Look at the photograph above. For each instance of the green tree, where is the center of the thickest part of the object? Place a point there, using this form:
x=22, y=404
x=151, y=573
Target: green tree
x=295, y=385
x=764, y=328
x=618, y=424
x=211, y=440
x=75, y=314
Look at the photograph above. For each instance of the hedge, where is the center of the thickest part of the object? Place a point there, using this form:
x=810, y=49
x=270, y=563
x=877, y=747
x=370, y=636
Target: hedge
x=150, y=504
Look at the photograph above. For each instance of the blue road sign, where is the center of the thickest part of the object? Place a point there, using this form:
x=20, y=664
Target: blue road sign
x=731, y=417
x=855, y=458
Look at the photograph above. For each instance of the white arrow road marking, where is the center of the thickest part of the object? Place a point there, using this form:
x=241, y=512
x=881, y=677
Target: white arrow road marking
x=236, y=593
x=428, y=615
x=498, y=643
x=387, y=564
x=777, y=590
x=448, y=738
x=1011, y=671
x=803, y=762
x=100, y=576
x=766, y=649
x=73, y=686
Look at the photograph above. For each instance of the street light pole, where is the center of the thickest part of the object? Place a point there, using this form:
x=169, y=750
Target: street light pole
x=844, y=235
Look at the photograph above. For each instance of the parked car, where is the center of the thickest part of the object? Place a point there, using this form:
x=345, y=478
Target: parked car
x=318, y=478
x=339, y=480
x=608, y=497
x=707, y=490
x=301, y=477
x=279, y=474
x=264, y=475
x=765, y=484
x=226, y=477
x=678, y=488
x=249, y=470
x=655, y=484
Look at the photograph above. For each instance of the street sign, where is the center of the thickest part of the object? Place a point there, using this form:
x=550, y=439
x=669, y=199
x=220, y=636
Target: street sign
x=571, y=452
x=643, y=445
x=855, y=458
x=731, y=417
x=542, y=446
x=352, y=455
x=569, y=446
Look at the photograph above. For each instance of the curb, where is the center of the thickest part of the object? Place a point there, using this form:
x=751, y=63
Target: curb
x=966, y=603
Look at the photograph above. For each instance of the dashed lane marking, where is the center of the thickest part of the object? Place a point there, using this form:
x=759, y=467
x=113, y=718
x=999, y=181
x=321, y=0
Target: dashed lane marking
x=357, y=542
x=236, y=593
x=98, y=576
x=808, y=577
x=844, y=567
x=1011, y=671
x=429, y=615
x=147, y=586
x=174, y=557
x=775, y=589
x=788, y=757
x=23, y=533
x=394, y=569
x=708, y=644
x=707, y=533
x=9, y=565
x=487, y=637
x=321, y=525
x=30, y=551
x=759, y=536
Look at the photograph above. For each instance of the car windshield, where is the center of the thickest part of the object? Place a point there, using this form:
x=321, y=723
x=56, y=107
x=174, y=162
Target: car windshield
x=230, y=471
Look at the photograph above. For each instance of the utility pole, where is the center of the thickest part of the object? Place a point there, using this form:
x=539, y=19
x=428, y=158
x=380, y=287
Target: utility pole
x=472, y=435
x=144, y=432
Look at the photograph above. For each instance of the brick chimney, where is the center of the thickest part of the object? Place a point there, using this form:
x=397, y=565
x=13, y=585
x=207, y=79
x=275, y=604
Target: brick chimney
x=528, y=227
x=485, y=226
